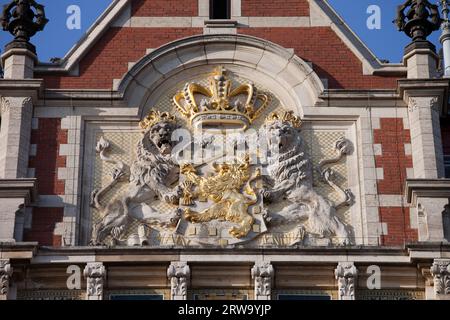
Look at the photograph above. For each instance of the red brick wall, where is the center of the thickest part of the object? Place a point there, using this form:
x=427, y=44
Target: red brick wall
x=109, y=58
x=43, y=226
x=169, y=8
x=331, y=58
x=275, y=8
x=392, y=136
x=399, y=227
x=48, y=138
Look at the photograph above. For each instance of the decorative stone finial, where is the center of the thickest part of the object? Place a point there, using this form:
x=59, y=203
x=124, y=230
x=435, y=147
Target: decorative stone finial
x=19, y=18
x=421, y=19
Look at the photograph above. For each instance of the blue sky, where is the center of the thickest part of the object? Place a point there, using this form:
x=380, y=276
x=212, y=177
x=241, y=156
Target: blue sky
x=56, y=39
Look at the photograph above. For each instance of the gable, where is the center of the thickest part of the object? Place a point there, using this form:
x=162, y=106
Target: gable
x=130, y=29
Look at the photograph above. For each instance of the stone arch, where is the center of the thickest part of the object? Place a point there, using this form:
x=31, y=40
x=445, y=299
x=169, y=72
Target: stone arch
x=296, y=83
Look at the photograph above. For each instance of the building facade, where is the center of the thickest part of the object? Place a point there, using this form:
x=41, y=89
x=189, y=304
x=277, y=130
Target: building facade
x=234, y=149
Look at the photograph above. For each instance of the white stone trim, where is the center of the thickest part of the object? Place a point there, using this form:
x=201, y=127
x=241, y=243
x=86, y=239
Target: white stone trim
x=123, y=20
x=203, y=8
x=377, y=149
x=392, y=200
x=409, y=173
x=94, y=255
x=380, y=173
x=236, y=8
x=376, y=123
x=302, y=86
x=219, y=31
x=199, y=22
x=160, y=22
x=408, y=149
x=71, y=176
x=274, y=22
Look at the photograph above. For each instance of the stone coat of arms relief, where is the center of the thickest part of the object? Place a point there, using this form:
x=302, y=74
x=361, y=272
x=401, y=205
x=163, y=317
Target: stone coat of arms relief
x=246, y=192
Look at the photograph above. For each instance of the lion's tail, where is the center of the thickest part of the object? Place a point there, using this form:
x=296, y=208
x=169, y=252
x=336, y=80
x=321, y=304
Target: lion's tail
x=250, y=189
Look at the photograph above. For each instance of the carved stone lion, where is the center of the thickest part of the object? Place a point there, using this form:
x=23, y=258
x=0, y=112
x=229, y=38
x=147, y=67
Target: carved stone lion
x=152, y=175
x=290, y=178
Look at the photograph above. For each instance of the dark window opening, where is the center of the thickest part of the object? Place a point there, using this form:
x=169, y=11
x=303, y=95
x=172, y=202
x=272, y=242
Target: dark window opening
x=447, y=166
x=219, y=9
x=446, y=222
x=136, y=297
x=303, y=297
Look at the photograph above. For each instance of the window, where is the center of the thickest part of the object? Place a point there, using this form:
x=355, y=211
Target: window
x=447, y=166
x=135, y=297
x=446, y=222
x=303, y=297
x=219, y=9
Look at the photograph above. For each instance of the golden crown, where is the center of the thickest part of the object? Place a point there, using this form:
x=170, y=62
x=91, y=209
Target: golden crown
x=156, y=116
x=284, y=116
x=220, y=104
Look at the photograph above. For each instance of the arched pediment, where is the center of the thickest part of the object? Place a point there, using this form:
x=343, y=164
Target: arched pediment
x=288, y=76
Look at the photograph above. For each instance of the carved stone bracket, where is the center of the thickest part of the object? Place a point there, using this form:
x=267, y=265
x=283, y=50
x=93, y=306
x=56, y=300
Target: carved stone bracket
x=440, y=270
x=179, y=275
x=5, y=277
x=347, y=277
x=4, y=105
x=95, y=273
x=263, y=273
x=415, y=103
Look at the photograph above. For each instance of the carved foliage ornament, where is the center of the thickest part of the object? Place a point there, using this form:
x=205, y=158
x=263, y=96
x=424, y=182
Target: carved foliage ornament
x=179, y=274
x=346, y=275
x=415, y=103
x=262, y=273
x=5, y=276
x=440, y=271
x=418, y=19
x=95, y=274
x=4, y=105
